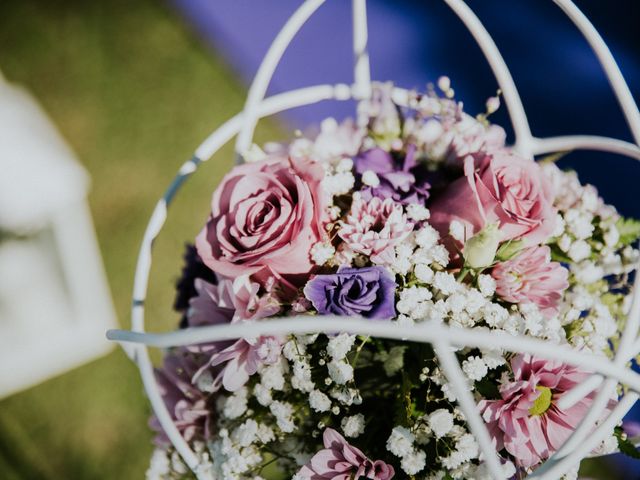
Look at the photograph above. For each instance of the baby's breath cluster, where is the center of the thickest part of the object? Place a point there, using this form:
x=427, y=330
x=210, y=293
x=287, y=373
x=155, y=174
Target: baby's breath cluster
x=420, y=215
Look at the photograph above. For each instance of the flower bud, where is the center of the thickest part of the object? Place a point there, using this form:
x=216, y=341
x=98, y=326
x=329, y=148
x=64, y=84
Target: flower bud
x=480, y=250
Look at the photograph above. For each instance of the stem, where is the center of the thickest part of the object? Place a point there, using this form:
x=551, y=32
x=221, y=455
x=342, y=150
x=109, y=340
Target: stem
x=355, y=360
x=463, y=273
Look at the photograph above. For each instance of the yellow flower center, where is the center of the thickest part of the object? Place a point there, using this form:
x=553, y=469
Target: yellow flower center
x=543, y=402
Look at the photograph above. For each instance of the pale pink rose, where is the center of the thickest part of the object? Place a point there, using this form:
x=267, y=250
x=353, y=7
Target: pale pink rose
x=374, y=227
x=502, y=188
x=531, y=277
x=341, y=461
x=264, y=216
x=527, y=421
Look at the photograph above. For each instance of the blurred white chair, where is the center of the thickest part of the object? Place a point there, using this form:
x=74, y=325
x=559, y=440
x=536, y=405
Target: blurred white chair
x=54, y=299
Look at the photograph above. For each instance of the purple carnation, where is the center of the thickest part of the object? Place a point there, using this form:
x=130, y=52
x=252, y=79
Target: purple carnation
x=404, y=181
x=367, y=292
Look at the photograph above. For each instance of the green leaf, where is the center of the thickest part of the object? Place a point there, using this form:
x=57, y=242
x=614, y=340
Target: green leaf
x=488, y=388
x=629, y=230
x=553, y=157
x=509, y=249
x=572, y=328
x=557, y=255
x=624, y=445
x=403, y=405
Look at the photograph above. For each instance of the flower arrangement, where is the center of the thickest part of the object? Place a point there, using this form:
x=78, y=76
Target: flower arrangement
x=406, y=216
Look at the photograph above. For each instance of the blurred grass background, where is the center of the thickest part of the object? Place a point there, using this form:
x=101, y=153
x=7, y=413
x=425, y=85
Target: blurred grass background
x=134, y=92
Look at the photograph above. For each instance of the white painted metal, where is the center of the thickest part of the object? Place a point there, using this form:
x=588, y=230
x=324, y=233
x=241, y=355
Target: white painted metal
x=361, y=71
x=258, y=88
x=427, y=331
x=503, y=76
x=613, y=373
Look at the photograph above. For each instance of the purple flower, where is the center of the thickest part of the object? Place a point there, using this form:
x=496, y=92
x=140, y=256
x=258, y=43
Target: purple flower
x=404, y=181
x=368, y=292
x=243, y=358
x=187, y=404
x=340, y=461
x=227, y=302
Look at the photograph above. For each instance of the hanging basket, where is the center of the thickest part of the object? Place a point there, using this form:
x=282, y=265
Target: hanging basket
x=606, y=375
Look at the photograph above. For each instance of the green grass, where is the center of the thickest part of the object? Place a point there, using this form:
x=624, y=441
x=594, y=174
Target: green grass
x=134, y=92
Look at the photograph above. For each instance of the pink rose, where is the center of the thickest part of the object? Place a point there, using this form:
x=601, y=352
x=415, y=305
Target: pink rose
x=502, y=188
x=531, y=277
x=264, y=216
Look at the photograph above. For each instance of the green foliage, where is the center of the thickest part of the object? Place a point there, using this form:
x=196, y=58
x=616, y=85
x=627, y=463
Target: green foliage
x=488, y=388
x=629, y=230
x=615, y=302
x=404, y=404
x=553, y=157
x=557, y=255
x=624, y=445
x=572, y=328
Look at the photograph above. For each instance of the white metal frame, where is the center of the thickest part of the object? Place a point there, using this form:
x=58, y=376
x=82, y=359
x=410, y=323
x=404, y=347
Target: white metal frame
x=607, y=374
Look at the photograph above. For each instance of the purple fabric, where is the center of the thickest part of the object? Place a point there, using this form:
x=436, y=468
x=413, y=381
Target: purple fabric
x=367, y=292
x=242, y=30
x=631, y=428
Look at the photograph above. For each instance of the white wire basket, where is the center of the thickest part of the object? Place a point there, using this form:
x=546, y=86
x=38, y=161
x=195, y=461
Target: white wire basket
x=607, y=375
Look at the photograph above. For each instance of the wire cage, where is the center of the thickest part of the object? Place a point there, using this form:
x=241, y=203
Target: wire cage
x=607, y=375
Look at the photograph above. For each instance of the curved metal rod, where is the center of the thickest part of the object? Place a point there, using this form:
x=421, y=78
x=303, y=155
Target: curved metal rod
x=573, y=396
x=584, y=142
x=361, y=70
x=624, y=353
x=425, y=332
x=501, y=71
x=552, y=470
x=453, y=372
x=609, y=65
x=261, y=81
x=563, y=458
x=627, y=347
